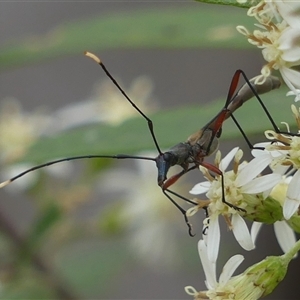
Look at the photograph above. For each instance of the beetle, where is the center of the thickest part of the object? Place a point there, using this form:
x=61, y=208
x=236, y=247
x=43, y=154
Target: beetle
x=190, y=154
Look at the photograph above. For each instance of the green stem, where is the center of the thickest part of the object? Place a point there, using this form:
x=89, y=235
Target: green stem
x=20, y=243
x=294, y=250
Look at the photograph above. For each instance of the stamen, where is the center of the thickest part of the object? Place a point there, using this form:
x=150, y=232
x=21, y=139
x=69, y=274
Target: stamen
x=295, y=112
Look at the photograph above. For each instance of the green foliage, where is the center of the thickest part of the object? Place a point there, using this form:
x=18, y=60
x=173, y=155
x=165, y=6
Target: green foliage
x=180, y=28
x=91, y=274
x=44, y=222
x=153, y=29
x=133, y=136
x=294, y=222
x=247, y=4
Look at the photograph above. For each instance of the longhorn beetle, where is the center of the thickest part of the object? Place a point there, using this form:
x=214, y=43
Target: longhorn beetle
x=191, y=153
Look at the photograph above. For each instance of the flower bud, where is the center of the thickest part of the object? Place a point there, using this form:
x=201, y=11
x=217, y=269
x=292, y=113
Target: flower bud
x=260, y=279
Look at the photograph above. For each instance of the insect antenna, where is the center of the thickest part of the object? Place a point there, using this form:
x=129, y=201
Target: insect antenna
x=149, y=121
x=53, y=162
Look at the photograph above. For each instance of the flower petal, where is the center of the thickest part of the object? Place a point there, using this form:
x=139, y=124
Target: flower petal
x=255, y=228
x=227, y=159
x=230, y=267
x=285, y=235
x=200, y=188
x=241, y=232
x=289, y=45
x=290, y=206
x=292, y=200
x=292, y=78
x=213, y=239
x=252, y=169
x=261, y=184
x=289, y=10
x=258, y=152
x=208, y=267
x=295, y=93
x=280, y=169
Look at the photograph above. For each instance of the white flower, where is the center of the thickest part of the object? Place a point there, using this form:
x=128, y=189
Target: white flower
x=279, y=38
x=285, y=235
x=295, y=93
x=288, y=10
x=18, y=130
x=280, y=163
x=266, y=10
x=239, y=186
x=221, y=288
x=292, y=201
x=107, y=105
x=284, y=152
x=254, y=283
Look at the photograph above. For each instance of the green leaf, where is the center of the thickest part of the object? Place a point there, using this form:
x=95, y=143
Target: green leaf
x=171, y=127
x=294, y=222
x=188, y=27
x=44, y=222
x=247, y=4
x=89, y=265
x=27, y=284
x=32, y=291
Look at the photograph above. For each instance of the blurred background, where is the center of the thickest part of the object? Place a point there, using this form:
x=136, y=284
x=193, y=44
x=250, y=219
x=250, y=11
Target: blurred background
x=101, y=229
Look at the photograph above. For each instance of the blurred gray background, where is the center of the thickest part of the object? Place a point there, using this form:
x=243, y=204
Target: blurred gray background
x=189, y=76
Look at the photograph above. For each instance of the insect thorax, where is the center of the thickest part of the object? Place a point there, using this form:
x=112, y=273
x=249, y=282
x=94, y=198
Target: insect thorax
x=181, y=153
x=206, y=145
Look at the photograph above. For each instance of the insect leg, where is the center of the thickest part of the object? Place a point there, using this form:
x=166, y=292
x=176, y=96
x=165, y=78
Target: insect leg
x=175, y=177
x=217, y=171
x=165, y=189
x=257, y=89
x=270, y=84
x=246, y=92
x=181, y=197
x=189, y=225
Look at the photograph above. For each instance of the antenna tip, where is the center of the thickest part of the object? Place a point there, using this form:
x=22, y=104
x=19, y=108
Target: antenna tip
x=92, y=56
x=5, y=183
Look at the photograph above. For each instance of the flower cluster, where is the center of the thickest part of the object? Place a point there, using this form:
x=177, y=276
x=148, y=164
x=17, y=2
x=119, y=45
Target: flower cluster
x=278, y=36
x=242, y=183
x=264, y=190
x=273, y=198
x=107, y=105
x=257, y=281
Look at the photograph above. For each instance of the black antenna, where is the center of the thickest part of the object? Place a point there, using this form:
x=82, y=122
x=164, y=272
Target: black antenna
x=150, y=123
x=53, y=162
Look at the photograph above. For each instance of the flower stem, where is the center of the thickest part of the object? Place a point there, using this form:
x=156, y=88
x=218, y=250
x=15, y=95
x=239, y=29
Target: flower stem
x=294, y=250
x=50, y=277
